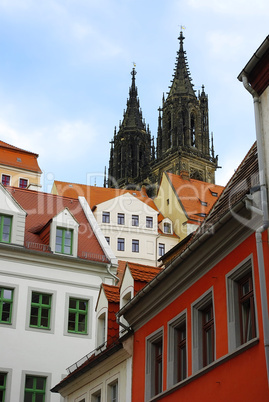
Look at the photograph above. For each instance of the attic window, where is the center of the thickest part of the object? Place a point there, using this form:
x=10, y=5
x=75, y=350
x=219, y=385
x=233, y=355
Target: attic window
x=18, y=159
x=70, y=185
x=204, y=203
x=134, y=194
x=201, y=214
x=214, y=193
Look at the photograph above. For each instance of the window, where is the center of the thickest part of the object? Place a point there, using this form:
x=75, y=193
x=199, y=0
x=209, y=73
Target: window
x=101, y=329
x=3, y=382
x=6, y=303
x=64, y=238
x=135, y=220
x=107, y=239
x=149, y=222
x=208, y=335
x=120, y=244
x=96, y=397
x=154, y=364
x=5, y=228
x=106, y=217
x=23, y=183
x=167, y=227
x=112, y=392
x=35, y=389
x=77, y=316
x=135, y=246
x=40, y=310
x=161, y=249
x=177, y=350
x=203, y=332
x=5, y=180
x=120, y=219
x=246, y=308
x=241, y=306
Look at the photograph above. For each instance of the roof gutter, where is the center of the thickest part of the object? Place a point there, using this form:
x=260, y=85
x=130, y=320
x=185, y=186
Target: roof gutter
x=264, y=210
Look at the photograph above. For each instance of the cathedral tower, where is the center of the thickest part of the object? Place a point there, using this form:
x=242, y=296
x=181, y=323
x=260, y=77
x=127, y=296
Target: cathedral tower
x=131, y=148
x=183, y=143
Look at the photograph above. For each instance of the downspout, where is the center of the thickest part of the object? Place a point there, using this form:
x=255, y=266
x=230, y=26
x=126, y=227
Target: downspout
x=111, y=273
x=265, y=224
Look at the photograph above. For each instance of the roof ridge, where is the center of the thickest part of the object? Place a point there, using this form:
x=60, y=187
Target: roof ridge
x=9, y=146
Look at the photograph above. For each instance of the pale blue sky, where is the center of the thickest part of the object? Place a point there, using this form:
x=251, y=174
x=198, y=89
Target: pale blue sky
x=65, y=74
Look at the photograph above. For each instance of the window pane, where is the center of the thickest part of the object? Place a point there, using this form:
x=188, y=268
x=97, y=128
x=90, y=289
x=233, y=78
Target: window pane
x=7, y=294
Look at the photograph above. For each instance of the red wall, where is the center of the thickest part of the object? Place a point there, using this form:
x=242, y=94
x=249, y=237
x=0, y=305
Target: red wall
x=241, y=378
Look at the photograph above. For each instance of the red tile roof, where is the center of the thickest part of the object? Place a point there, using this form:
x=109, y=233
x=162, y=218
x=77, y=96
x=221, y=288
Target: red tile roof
x=41, y=208
x=112, y=293
x=96, y=195
x=196, y=197
x=18, y=158
x=143, y=273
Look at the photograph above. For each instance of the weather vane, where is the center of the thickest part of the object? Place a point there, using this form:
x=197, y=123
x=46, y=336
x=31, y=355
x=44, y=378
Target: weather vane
x=134, y=64
x=182, y=27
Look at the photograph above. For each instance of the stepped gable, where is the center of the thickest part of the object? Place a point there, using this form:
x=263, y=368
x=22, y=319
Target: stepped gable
x=41, y=208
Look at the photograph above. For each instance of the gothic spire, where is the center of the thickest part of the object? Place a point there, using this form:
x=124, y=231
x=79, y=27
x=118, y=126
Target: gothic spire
x=181, y=84
x=133, y=114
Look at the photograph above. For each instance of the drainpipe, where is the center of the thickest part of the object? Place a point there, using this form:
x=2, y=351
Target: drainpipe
x=265, y=224
x=111, y=273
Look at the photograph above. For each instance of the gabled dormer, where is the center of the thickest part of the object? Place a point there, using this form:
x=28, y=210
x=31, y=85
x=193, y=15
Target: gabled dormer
x=107, y=328
x=64, y=234
x=12, y=219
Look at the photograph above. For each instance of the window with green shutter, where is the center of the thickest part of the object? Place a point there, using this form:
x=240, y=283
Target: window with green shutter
x=77, y=316
x=35, y=389
x=6, y=303
x=40, y=310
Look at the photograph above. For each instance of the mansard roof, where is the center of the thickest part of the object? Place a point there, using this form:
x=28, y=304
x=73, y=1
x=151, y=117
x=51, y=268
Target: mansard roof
x=41, y=208
x=18, y=158
x=196, y=197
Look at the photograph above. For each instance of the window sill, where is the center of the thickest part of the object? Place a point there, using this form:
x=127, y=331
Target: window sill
x=204, y=370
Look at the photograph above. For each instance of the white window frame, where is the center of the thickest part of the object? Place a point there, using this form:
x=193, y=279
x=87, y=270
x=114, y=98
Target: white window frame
x=232, y=278
x=101, y=328
x=151, y=340
x=197, y=332
x=10, y=178
x=110, y=383
x=23, y=178
x=172, y=355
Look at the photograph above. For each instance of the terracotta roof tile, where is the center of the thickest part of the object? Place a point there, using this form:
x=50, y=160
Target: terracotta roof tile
x=143, y=273
x=97, y=195
x=197, y=197
x=41, y=208
x=18, y=158
x=112, y=293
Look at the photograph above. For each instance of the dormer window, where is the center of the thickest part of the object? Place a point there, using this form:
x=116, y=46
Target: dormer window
x=204, y=203
x=5, y=228
x=64, y=239
x=64, y=234
x=167, y=227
